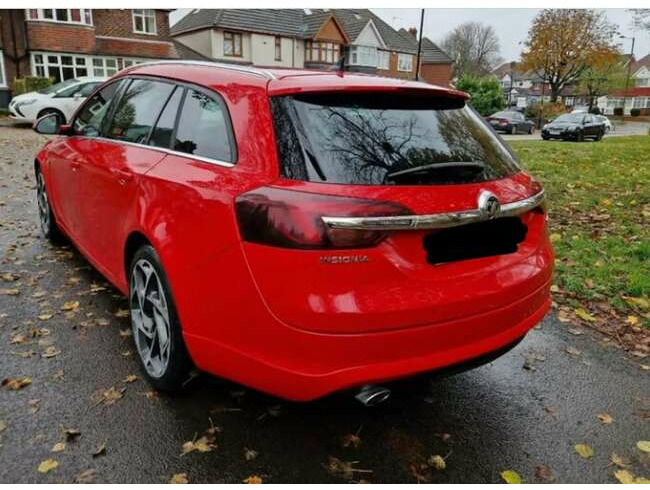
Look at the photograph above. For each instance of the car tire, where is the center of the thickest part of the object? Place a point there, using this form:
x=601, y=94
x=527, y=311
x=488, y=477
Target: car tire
x=157, y=331
x=580, y=137
x=59, y=115
x=49, y=228
x=545, y=138
x=531, y=130
x=600, y=135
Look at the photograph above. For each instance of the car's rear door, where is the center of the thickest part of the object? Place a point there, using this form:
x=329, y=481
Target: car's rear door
x=111, y=174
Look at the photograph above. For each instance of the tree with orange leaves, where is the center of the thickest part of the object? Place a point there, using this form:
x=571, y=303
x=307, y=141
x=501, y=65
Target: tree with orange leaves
x=563, y=43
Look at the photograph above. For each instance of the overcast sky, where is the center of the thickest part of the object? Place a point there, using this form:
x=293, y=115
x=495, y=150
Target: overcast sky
x=511, y=25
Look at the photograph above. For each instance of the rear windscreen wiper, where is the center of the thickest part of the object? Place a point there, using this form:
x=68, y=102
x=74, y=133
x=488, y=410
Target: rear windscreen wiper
x=477, y=166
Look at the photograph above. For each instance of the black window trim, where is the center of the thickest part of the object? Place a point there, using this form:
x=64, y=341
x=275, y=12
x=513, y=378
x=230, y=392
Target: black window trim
x=185, y=86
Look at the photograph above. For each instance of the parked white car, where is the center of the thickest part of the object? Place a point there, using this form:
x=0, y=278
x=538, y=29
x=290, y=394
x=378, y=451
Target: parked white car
x=61, y=99
x=608, y=124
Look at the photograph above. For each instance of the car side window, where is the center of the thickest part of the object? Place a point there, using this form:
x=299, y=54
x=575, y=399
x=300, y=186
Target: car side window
x=91, y=115
x=137, y=110
x=204, y=128
x=519, y=117
x=161, y=135
x=87, y=89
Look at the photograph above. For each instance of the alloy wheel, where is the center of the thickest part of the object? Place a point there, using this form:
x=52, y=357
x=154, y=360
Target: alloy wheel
x=150, y=318
x=43, y=203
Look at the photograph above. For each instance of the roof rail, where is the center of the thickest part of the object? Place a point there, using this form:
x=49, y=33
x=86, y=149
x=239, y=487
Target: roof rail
x=213, y=64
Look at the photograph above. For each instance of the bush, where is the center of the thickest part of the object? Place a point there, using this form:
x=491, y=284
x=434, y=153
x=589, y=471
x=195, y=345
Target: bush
x=30, y=84
x=618, y=111
x=487, y=96
x=635, y=112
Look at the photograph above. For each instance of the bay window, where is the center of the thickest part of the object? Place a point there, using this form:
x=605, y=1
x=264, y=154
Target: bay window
x=363, y=56
x=144, y=21
x=404, y=62
x=322, y=51
x=59, y=67
x=68, y=16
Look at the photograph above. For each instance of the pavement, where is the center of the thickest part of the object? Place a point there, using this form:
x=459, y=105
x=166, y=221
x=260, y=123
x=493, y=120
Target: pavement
x=626, y=129
x=524, y=412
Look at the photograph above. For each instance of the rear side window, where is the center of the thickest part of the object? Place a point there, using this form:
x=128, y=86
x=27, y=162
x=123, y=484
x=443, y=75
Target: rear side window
x=137, y=110
x=203, y=128
x=89, y=120
x=161, y=136
x=366, y=139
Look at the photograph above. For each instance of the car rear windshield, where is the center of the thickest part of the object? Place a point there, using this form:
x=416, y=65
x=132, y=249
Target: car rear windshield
x=386, y=139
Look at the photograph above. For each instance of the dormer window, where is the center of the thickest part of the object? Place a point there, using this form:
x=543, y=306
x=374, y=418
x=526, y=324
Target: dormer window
x=68, y=16
x=144, y=21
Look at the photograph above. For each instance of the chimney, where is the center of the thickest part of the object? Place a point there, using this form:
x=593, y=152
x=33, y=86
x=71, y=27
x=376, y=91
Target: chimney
x=413, y=32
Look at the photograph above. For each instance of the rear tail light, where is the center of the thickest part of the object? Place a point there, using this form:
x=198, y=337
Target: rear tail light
x=292, y=219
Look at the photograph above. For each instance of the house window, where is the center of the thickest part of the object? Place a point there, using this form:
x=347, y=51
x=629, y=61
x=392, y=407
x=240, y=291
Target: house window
x=68, y=16
x=639, y=102
x=144, y=21
x=383, y=60
x=232, y=45
x=363, y=56
x=3, y=77
x=104, y=67
x=278, y=49
x=322, y=51
x=59, y=67
x=643, y=82
x=404, y=62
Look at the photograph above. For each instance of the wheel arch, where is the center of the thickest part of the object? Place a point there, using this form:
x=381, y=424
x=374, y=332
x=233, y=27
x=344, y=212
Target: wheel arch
x=134, y=241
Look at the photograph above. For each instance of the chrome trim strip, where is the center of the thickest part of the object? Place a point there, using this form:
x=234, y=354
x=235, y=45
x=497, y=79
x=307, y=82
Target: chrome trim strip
x=432, y=221
x=161, y=150
x=211, y=64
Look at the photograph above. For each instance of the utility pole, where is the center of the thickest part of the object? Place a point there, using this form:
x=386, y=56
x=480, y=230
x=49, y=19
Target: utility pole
x=629, y=70
x=417, y=59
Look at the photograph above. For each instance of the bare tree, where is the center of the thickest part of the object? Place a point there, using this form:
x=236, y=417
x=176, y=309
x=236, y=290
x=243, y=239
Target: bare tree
x=474, y=47
x=641, y=18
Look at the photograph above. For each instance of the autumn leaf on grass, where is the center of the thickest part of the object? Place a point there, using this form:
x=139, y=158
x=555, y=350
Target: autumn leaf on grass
x=619, y=461
x=644, y=446
x=70, y=306
x=58, y=447
x=605, y=418
x=627, y=478
x=179, y=478
x=343, y=468
x=437, y=462
x=203, y=444
x=641, y=303
x=250, y=454
x=584, y=315
x=47, y=465
x=510, y=476
x=253, y=479
x=110, y=396
x=16, y=384
x=584, y=450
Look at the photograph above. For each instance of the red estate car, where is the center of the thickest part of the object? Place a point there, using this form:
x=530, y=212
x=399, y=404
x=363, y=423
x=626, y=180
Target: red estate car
x=298, y=232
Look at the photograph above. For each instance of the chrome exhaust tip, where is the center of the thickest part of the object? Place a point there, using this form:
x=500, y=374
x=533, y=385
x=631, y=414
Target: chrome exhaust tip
x=371, y=395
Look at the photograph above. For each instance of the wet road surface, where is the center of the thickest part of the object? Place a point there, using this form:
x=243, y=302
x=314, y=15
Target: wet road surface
x=502, y=416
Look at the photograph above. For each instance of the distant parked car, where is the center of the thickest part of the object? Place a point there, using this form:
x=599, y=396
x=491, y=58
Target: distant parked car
x=61, y=99
x=574, y=127
x=511, y=122
x=608, y=124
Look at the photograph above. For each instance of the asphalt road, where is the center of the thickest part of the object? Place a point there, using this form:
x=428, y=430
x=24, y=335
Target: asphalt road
x=627, y=129
x=499, y=417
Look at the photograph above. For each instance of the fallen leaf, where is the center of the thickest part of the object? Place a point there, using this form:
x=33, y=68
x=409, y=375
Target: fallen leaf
x=250, y=454
x=70, y=306
x=10, y=292
x=3, y=426
x=35, y=405
x=575, y=331
x=100, y=451
x=87, y=476
x=45, y=316
x=16, y=384
x=437, y=462
x=510, y=476
x=572, y=351
x=17, y=338
x=10, y=277
x=343, y=468
x=58, y=447
x=583, y=314
x=203, y=444
x=179, y=478
x=584, y=450
x=47, y=465
x=111, y=396
x=253, y=479
x=130, y=378
x=605, y=418
x=619, y=461
x=642, y=303
x=51, y=351
x=544, y=472
x=58, y=376
x=644, y=446
x=126, y=333
x=122, y=313
x=632, y=320
x=555, y=237
x=71, y=434
x=351, y=440
x=624, y=476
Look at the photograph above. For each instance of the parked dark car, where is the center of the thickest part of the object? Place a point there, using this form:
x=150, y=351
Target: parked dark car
x=511, y=122
x=574, y=127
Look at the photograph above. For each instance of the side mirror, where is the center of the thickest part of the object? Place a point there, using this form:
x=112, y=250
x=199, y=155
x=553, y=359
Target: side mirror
x=77, y=96
x=48, y=124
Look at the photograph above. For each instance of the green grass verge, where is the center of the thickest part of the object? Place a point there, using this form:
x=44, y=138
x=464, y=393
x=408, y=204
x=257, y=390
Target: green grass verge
x=599, y=198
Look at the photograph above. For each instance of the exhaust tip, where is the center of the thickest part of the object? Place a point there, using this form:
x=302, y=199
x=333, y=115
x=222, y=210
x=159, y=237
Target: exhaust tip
x=371, y=395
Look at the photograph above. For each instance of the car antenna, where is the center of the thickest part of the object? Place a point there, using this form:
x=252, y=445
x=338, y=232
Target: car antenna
x=339, y=66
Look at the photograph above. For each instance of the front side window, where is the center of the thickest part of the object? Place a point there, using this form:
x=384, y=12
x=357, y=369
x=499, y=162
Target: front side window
x=137, y=110
x=144, y=21
x=91, y=115
x=232, y=44
x=368, y=139
x=204, y=128
x=404, y=62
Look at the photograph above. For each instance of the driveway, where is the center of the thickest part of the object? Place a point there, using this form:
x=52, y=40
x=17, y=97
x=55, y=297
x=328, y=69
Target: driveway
x=66, y=330
x=626, y=129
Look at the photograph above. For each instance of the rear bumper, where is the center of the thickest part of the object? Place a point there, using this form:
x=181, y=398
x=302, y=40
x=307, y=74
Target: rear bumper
x=304, y=365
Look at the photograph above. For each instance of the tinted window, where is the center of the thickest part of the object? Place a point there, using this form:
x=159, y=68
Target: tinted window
x=371, y=140
x=203, y=129
x=137, y=110
x=91, y=115
x=162, y=133
x=87, y=89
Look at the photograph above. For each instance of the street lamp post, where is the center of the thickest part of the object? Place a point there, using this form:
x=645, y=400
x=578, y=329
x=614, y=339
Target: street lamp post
x=629, y=70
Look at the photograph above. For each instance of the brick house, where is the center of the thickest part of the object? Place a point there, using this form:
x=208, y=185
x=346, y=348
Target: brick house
x=638, y=94
x=67, y=43
x=310, y=38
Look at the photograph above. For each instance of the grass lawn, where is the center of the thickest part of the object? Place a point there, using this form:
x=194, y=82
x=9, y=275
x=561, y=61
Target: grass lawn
x=599, y=198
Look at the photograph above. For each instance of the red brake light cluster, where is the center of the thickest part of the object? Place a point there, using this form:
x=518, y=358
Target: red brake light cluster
x=292, y=219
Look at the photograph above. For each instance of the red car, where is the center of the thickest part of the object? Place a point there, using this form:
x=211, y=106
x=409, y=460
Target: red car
x=298, y=232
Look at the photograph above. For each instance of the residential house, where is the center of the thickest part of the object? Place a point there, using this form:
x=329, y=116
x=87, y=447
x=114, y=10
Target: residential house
x=306, y=38
x=638, y=94
x=435, y=65
x=68, y=43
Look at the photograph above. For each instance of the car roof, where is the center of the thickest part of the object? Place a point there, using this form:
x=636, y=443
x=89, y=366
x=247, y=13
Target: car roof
x=283, y=81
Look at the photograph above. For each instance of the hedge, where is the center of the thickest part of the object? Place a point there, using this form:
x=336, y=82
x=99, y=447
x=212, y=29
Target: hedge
x=30, y=84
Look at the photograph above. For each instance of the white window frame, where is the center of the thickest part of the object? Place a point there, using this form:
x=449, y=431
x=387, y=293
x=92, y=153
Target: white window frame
x=143, y=14
x=50, y=67
x=383, y=60
x=404, y=62
x=363, y=56
x=101, y=68
x=93, y=69
x=277, y=48
x=643, y=82
x=41, y=17
x=3, y=74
